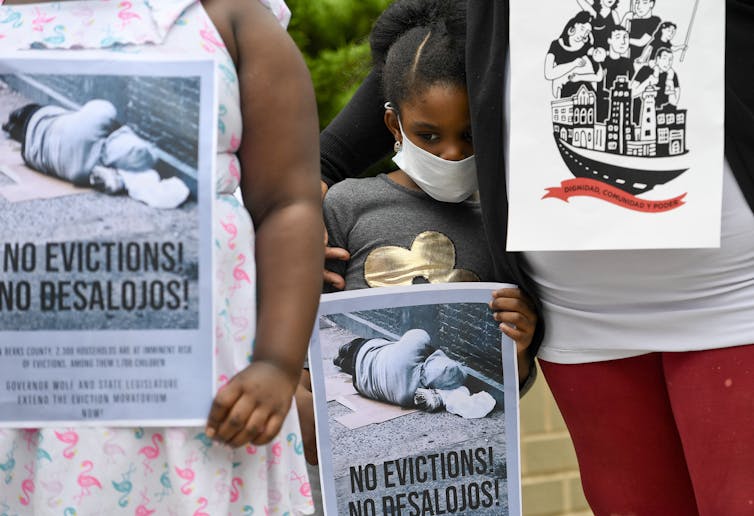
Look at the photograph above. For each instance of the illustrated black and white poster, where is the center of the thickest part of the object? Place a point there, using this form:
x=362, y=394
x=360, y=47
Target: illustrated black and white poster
x=106, y=241
x=416, y=403
x=616, y=124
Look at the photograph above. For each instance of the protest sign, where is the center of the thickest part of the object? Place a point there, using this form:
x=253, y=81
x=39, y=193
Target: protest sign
x=416, y=403
x=616, y=124
x=106, y=242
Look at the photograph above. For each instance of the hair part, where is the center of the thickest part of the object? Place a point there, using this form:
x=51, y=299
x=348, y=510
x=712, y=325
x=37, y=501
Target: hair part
x=417, y=44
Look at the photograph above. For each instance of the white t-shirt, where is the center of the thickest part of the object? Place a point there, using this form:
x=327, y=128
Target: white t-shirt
x=606, y=305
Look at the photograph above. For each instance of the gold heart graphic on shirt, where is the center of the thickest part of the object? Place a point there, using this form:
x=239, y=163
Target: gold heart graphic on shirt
x=432, y=256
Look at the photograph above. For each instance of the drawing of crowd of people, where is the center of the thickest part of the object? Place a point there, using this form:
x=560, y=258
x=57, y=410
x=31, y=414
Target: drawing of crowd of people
x=608, y=48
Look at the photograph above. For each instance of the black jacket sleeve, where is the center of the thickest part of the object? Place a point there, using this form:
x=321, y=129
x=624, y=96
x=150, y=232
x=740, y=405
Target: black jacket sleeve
x=357, y=138
x=739, y=94
x=486, y=50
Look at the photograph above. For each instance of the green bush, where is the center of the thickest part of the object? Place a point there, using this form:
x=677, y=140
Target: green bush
x=332, y=35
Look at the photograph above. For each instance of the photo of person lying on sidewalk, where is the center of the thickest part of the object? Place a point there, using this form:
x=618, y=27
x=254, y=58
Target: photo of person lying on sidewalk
x=413, y=373
x=90, y=147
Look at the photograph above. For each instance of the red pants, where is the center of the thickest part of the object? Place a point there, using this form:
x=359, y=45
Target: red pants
x=667, y=434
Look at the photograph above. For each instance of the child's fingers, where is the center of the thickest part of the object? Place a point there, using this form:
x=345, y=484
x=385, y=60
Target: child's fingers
x=221, y=406
x=334, y=279
x=508, y=292
x=518, y=336
x=514, y=320
x=512, y=317
x=274, y=423
x=512, y=306
x=253, y=426
x=337, y=253
x=236, y=420
x=511, y=294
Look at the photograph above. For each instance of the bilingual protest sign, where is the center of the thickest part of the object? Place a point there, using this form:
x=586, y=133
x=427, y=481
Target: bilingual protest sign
x=616, y=124
x=416, y=403
x=106, y=242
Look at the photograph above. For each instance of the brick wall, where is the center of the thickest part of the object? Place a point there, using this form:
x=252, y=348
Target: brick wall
x=464, y=329
x=550, y=476
x=163, y=110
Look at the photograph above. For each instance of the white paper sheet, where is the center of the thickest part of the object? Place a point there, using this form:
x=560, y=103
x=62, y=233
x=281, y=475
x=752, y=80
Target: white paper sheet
x=635, y=164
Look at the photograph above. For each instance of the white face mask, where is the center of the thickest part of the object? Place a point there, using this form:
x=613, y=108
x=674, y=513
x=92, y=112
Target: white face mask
x=441, y=179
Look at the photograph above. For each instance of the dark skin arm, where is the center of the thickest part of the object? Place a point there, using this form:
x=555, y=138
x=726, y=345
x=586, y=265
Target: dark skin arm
x=305, y=405
x=280, y=185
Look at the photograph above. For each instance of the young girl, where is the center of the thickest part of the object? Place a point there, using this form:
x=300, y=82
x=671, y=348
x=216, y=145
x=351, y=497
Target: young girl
x=245, y=461
x=420, y=223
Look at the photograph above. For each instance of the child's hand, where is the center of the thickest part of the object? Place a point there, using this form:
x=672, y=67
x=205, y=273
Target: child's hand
x=518, y=320
x=252, y=407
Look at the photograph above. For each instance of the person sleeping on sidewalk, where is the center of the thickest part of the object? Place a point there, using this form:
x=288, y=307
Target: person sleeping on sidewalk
x=411, y=372
x=89, y=147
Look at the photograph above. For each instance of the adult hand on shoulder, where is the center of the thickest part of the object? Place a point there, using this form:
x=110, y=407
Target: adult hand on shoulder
x=333, y=253
x=253, y=406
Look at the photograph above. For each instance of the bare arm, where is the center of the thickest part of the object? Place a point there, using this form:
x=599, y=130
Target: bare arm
x=645, y=55
x=642, y=41
x=553, y=71
x=673, y=92
x=679, y=48
x=588, y=77
x=637, y=88
x=627, y=20
x=280, y=184
x=305, y=406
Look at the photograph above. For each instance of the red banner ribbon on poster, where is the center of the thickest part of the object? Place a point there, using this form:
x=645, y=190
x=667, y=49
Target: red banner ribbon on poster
x=590, y=188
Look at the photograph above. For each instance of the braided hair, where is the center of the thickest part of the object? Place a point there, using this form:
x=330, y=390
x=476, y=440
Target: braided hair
x=417, y=44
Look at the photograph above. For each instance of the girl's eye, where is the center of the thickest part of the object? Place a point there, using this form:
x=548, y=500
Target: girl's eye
x=429, y=137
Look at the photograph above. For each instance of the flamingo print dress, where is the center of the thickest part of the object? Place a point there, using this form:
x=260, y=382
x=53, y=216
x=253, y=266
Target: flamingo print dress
x=161, y=471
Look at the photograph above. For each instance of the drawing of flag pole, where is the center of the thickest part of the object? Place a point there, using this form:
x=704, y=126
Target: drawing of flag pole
x=688, y=32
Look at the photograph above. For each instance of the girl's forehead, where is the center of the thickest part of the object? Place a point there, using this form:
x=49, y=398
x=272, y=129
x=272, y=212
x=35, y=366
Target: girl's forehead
x=437, y=103
x=437, y=93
